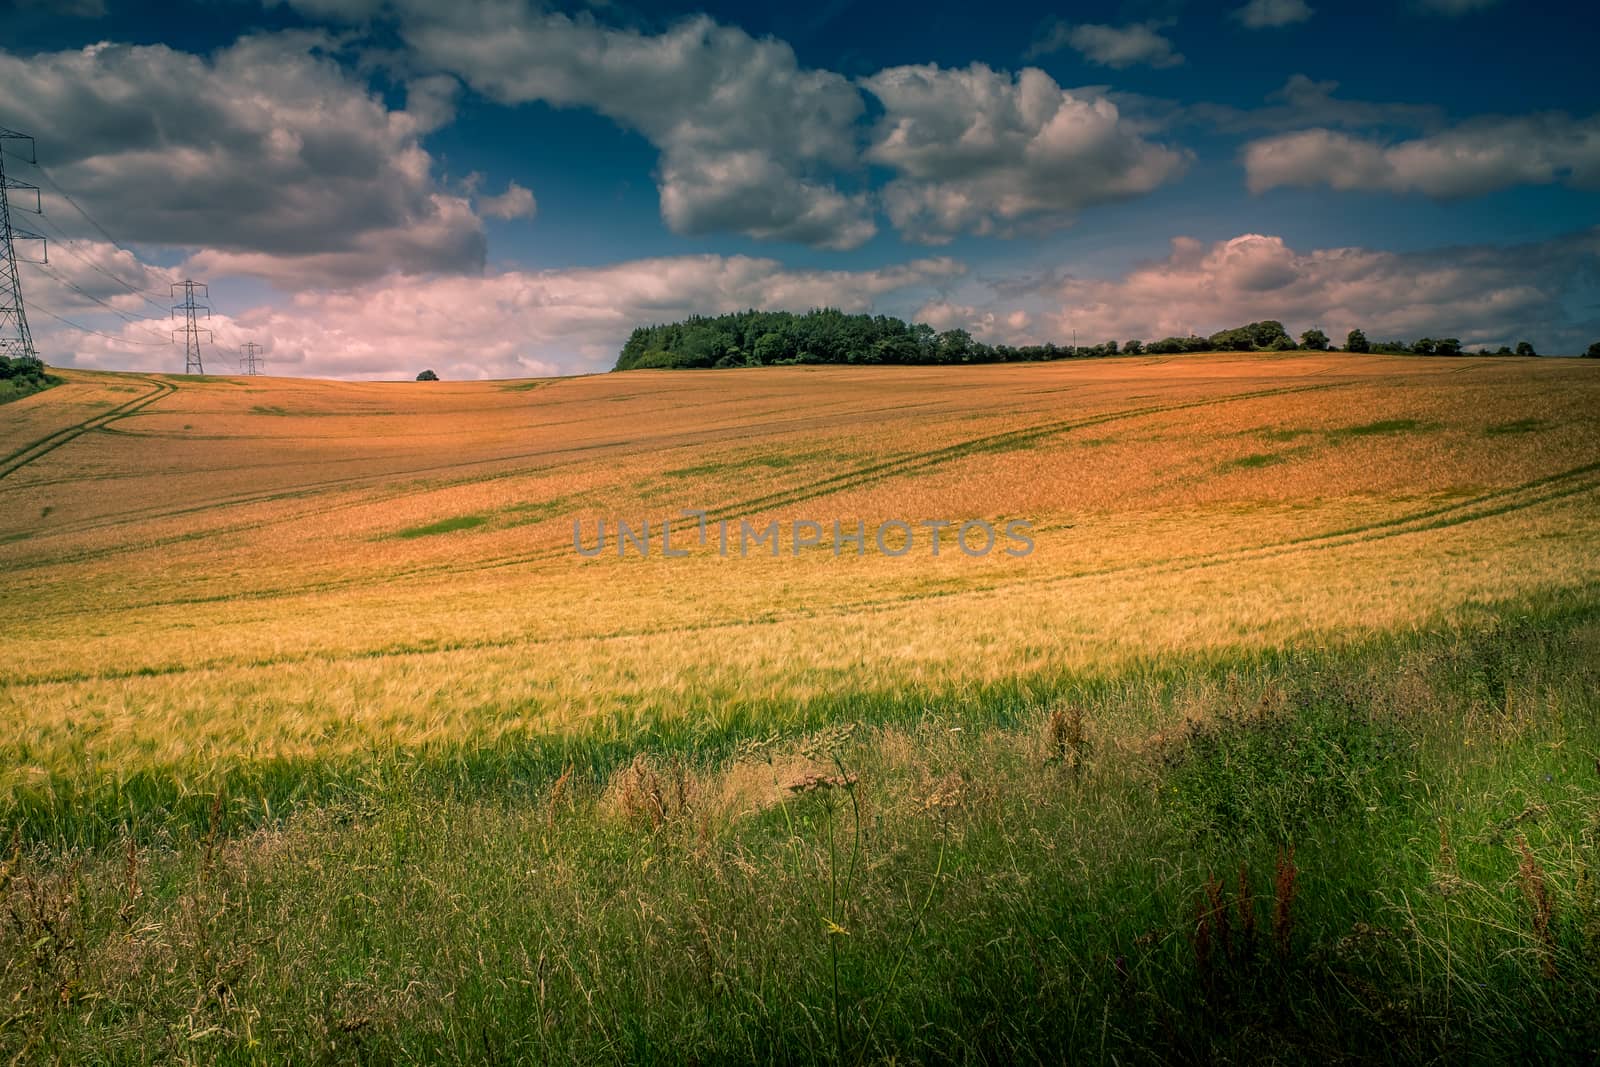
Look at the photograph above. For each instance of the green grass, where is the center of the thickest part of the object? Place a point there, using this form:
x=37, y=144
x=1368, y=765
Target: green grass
x=1381, y=848
x=17, y=388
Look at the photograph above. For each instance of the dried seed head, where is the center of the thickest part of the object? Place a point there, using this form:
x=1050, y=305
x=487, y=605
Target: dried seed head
x=810, y=783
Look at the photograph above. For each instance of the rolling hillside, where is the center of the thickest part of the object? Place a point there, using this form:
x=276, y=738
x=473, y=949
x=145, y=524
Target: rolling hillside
x=321, y=741
x=291, y=567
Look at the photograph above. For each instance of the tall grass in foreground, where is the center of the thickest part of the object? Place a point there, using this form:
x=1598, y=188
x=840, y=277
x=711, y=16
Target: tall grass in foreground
x=1386, y=851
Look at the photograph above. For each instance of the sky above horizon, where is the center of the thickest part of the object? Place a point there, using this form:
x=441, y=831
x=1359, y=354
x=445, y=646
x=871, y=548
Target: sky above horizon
x=505, y=189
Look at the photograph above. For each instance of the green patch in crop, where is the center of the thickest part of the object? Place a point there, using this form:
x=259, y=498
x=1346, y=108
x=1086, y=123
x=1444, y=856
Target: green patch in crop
x=538, y=511
x=1500, y=429
x=765, y=461
x=267, y=409
x=1383, y=427
x=443, y=526
x=1284, y=434
x=1253, y=461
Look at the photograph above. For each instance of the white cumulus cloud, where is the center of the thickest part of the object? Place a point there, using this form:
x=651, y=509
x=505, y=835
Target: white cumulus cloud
x=1481, y=294
x=510, y=324
x=983, y=151
x=750, y=140
x=515, y=203
x=267, y=155
x=1271, y=14
x=1476, y=157
x=1119, y=47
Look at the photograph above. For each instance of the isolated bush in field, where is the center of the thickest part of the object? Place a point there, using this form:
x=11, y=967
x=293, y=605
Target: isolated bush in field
x=1593, y=352
x=427, y=376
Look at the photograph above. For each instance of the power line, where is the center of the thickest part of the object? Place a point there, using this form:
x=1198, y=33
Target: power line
x=51, y=181
x=191, y=309
x=98, y=333
x=66, y=242
x=249, y=361
x=127, y=316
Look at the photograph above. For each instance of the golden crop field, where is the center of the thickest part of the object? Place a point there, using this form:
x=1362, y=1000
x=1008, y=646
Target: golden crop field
x=322, y=740
x=212, y=571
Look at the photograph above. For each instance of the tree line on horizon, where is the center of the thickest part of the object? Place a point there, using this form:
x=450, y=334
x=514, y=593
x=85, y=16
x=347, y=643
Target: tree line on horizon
x=827, y=335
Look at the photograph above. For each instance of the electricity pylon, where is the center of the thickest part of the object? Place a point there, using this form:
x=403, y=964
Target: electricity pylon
x=249, y=362
x=191, y=327
x=15, y=338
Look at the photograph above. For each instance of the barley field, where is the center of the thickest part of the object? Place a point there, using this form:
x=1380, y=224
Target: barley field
x=322, y=741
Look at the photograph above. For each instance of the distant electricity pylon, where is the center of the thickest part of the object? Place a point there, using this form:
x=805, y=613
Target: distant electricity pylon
x=191, y=327
x=249, y=362
x=15, y=338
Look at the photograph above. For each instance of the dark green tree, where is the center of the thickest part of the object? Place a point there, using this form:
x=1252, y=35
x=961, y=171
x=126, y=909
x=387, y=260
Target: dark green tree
x=427, y=376
x=1525, y=349
x=1593, y=351
x=769, y=348
x=955, y=346
x=1356, y=341
x=21, y=368
x=1133, y=348
x=1315, y=340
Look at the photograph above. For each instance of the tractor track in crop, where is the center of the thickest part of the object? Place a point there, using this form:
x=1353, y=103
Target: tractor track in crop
x=29, y=453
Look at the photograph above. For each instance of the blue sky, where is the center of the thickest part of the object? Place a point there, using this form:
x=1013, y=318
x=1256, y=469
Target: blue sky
x=504, y=189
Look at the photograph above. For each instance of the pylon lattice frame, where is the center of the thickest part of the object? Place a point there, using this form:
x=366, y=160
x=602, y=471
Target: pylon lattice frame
x=16, y=339
x=191, y=326
x=249, y=358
